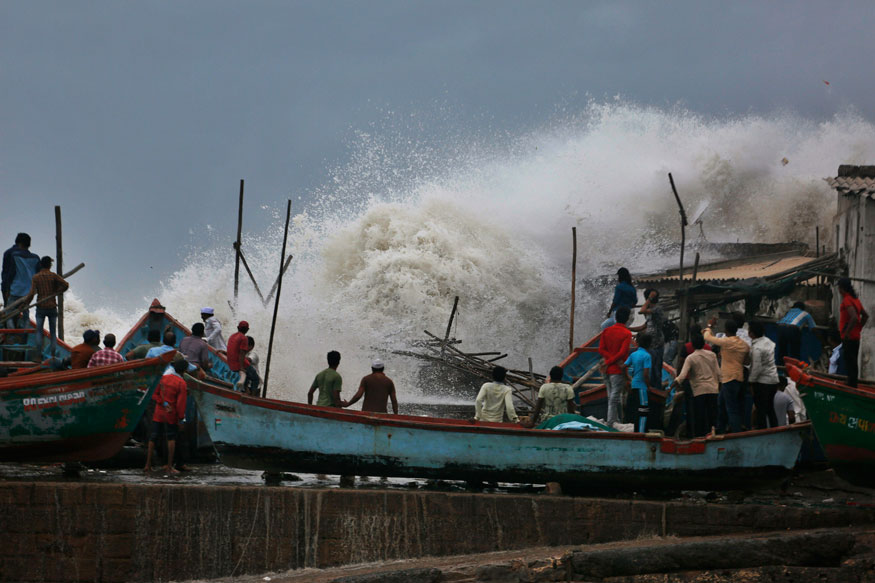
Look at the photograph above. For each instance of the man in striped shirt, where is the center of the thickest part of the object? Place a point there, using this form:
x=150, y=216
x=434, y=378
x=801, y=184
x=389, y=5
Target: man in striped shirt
x=46, y=285
x=108, y=355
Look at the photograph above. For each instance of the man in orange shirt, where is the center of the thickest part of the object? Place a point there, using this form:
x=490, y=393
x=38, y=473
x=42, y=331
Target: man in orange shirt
x=45, y=285
x=734, y=355
x=81, y=353
x=169, y=416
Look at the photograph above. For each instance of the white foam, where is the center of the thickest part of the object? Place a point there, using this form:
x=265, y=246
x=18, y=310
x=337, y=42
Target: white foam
x=408, y=224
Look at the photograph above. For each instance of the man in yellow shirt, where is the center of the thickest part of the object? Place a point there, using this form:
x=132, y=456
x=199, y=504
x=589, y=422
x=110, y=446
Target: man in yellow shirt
x=734, y=354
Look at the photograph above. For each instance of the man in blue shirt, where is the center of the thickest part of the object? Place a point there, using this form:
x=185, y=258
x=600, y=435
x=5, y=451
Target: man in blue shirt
x=625, y=294
x=790, y=332
x=19, y=267
x=638, y=367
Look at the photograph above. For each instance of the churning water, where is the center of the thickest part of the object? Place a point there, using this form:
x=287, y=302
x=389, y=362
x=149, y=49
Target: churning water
x=382, y=248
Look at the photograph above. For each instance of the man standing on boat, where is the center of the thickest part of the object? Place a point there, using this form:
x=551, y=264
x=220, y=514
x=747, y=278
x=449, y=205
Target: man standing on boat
x=734, y=355
x=19, y=267
x=614, y=348
x=495, y=399
x=625, y=294
x=638, y=365
x=763, y=376
x=81, y=354
x=703, y=373
x=46, y=285
x=329, y=383
x=377, y=389
x=213, y=329
x=106, y=356
x=554, y=398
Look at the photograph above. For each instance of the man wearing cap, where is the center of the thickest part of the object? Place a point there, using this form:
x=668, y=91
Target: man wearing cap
x=81, y=353
x=213, y=329
x=377, y=389
x=238, y=346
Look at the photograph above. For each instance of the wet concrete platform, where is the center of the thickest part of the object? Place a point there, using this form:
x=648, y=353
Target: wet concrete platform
x=120, y=525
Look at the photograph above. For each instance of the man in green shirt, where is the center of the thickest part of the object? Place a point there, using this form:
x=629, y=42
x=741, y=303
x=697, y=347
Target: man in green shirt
x=329, y=383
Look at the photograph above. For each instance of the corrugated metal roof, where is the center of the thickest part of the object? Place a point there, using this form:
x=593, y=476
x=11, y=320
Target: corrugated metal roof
x=853, y=185
x=738, y=270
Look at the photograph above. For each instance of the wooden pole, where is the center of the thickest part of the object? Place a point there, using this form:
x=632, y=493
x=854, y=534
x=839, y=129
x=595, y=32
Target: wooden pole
x=573, y=283
x=252, y=277
x=276, y=305
x=683, y=227
x=817, y=246
x=59, y=267
x=237, y=244
x=449, y=326
x=276, y=283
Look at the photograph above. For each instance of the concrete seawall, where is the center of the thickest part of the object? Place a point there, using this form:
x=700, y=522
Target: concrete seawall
x=115, y=532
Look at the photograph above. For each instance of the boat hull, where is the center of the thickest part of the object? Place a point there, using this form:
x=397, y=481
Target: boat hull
x=82, y=415
x=843, y=419
x=277, y=436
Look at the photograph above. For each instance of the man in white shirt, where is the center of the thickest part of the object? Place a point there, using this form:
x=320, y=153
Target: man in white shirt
x=763, y=377
x=213, y=329
x=494, y=399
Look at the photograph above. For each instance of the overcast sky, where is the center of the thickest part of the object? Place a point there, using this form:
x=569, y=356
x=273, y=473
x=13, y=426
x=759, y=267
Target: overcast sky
x=140, y=118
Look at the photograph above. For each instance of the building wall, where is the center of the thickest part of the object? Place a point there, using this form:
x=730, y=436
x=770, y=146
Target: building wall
x=855, y=233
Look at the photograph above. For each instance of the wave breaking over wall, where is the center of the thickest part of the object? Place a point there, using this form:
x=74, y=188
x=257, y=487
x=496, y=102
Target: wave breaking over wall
x=382, y=248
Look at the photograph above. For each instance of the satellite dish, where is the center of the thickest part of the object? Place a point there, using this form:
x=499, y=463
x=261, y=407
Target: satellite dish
x=700, y=210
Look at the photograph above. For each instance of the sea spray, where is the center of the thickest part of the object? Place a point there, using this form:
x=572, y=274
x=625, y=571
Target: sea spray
x=382, y=248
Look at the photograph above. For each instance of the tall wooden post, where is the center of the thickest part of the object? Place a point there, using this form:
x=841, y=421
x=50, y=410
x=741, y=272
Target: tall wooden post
x=573, y=284
x=59, y=267
x=449, y=326
x=683, y=227
x=279, y=289
x=237, y=244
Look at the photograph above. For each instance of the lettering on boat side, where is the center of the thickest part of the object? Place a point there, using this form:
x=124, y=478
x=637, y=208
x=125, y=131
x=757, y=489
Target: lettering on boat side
x=36, y=403
x=227, y=408
x=823, y=396
x=857, y=423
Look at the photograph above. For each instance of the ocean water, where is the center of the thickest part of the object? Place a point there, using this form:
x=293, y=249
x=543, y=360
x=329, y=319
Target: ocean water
x=413, y=220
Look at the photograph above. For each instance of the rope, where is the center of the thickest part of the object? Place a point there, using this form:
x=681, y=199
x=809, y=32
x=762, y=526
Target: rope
x=249, y=536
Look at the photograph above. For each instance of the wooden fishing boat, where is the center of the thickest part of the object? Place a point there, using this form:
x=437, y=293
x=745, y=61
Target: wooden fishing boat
x=78, y=415
x=161, y=320
x=843, y=419
x=277, y=436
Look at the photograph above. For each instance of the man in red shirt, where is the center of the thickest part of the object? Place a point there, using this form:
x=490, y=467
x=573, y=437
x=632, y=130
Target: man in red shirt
x=614, y=348
x=852, y=318
x=169, y=397
x=238, y=346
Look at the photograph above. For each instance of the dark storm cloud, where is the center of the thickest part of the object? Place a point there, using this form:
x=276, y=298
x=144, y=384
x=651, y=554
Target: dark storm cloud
x=140, y=117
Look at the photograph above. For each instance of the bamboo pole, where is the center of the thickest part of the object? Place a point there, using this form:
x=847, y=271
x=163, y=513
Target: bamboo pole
x=683, y=226
x=276, y=304
x=276, y=283
x=59, y=267
x=237, y=244
x=252, y=277
x=449, y=325
x=573, y=283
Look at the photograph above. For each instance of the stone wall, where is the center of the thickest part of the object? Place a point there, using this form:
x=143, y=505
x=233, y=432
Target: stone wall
x=114, y=532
